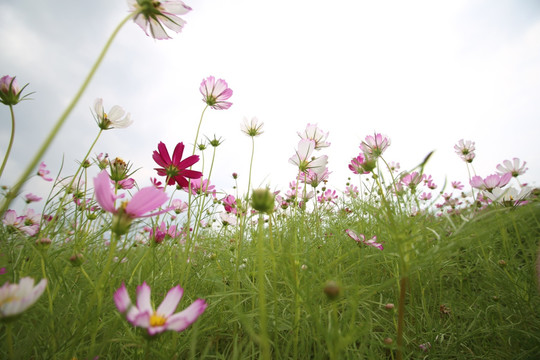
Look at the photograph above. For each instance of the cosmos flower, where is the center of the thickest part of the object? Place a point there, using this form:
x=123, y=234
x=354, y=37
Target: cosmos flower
x=116, y=118
x=142, y=314
x=151, y=15
x=514, y=167
x=215, y=93
x=16, y=298
x=145, y=200
x=491, y=181
x=175, y=169
x=304, y=160
x=362, y=239
x=43, y=172
x=313, y=132
x=375, y=145
x=465, y=150
x=252, y=127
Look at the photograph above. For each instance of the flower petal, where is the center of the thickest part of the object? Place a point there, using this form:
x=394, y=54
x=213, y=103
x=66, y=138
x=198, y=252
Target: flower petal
x=147, y=199
x=169, y=304
x=183, y=319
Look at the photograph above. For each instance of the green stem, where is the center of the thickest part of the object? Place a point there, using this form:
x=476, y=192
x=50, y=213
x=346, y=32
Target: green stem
x=10, y=140
x=401, y=315
x=13, y=193
x=265, y=345
x=250, y=165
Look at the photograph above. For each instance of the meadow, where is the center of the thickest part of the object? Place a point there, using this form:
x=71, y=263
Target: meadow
x=395, y=266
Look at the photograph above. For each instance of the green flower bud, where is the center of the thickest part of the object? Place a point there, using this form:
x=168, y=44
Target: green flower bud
x=262, y=200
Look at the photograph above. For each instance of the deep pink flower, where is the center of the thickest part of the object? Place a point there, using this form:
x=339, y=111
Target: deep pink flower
x=215, y=93
x=151, y=15
x=142, y=314
x=176, y=170
x=145, y=200
x=229, y=203
x=43, y=172
x=357, y=165
x=362, y=239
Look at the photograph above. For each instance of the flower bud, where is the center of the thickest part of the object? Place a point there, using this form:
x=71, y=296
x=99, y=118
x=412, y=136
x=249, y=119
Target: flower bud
x=332, y=290
x=262, y=200
x=76, y=259
x=9, y=91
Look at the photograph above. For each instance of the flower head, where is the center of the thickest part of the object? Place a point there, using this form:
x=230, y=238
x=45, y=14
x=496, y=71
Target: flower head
x=375, y=145
x=491, y=181
x=142, y=314
x=175, y=169
x=514, y=167
x=16, y=298
x=147, y=199
x=313, y=132
x=305, y=161
x=465, y=150
x=215, y=93
x=252, y=127
x=10, y=93
x=151, y=15
x=43, y=172
x=360, y=165
x=362, y=239
x=115, y=119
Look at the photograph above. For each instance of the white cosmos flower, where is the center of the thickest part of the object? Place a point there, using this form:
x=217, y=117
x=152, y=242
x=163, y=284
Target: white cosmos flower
x=16, y=298
x=114, y=119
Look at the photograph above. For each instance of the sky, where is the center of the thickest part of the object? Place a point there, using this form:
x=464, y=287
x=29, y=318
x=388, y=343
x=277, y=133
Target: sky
x=425, y=73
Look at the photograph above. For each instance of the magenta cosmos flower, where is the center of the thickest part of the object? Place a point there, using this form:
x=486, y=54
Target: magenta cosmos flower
x=175, y=169
x=147, y=199
x=142, y=314
x=215, y=93
x=151, y=15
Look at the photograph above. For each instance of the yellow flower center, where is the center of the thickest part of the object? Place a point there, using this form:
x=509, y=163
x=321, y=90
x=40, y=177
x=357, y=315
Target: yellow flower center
x=157, y=320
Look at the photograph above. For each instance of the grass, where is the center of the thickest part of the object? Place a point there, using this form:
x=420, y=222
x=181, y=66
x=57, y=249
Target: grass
x=471, y=288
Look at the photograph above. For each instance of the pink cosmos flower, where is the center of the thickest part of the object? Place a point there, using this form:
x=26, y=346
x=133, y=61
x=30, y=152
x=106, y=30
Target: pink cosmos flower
x=179, y=206
x=362, y=239
x=176, y=170
x=215, y=93
x=457, y=185
x=304, y=160
x=151, y=15
x=514, y=167
x=142, y=314
x=28, y=198
x=491, y=181
x=229, y=203
x=352, y=191
x=16, y=298
x=465, y=150
x=357, y=165
x=313, y=132
x=158, y=234
x=314, y=178
x=10, y=93
x=199, y=186
x=425, y=196
x=228, y=218
x=412, y=180
x=375, y=145
x=328, y=196
x=147, y=199
x=43, y=172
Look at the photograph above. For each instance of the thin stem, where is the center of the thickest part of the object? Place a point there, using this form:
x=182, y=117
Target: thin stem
x=10, y=140
x=39, y=154
x=401, y=315
x=250, y=165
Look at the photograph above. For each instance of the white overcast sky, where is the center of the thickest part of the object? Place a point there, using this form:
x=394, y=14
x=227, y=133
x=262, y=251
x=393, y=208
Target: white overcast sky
x=425, y=73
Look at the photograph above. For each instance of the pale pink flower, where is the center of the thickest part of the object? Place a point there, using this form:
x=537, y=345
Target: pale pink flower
x=465, y=150
x=491, y=181
x=412, y=180
x=304, y=160
x=142, y=314
x=352, y=191
x=179, y=206
x=328, y=196
x=362, y=239
x=145, y=200
x=252, y=127
x=375, y=145
x=514, y=167
x=215, y=93
x=425, y=196
x=457, y=185
x=201, y=187
x=16, y=298
x=313, y=132
x=228, y=218
x=152, y=15
x=29, y=198
x=43, y=172
x=509, y=196
x=313, y=178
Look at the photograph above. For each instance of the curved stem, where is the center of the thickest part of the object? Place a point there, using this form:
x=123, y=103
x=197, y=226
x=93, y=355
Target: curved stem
x=198, y=128
x=10, y=140
x=12, y=194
